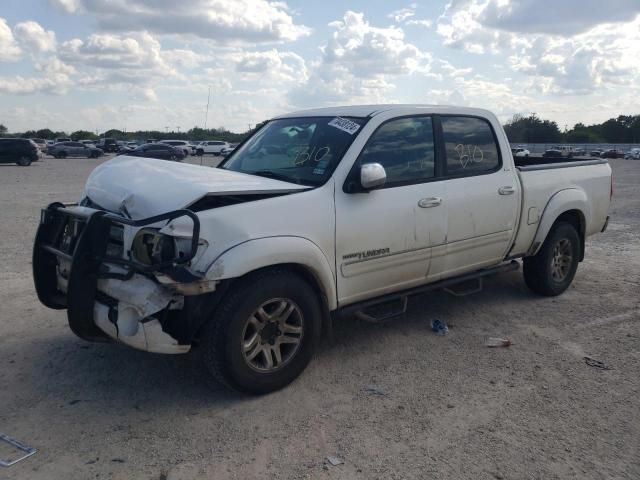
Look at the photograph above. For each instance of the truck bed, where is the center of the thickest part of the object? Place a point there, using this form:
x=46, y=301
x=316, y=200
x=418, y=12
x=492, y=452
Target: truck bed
x=539, y=186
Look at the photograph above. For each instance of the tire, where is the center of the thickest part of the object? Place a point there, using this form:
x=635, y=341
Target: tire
x=200, y=152
x=173, y=158
x=24, y=161
x=61, y=155
x=540, y=274
x=237, y=324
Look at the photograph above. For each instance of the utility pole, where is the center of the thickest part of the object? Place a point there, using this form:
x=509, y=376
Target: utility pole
x=206, y=115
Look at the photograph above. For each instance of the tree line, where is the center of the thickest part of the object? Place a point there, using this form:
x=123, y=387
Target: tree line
x=519, y=129
x=532, y=129
x=196, y=134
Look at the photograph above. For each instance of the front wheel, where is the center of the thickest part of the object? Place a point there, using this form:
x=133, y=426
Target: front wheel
x=24, y=161
x=551, y=270
x=262, y=334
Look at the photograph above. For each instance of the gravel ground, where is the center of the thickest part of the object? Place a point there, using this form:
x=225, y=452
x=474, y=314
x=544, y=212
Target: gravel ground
x=392, y=401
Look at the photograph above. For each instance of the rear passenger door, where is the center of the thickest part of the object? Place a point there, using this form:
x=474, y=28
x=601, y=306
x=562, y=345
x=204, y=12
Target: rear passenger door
x=481, y=196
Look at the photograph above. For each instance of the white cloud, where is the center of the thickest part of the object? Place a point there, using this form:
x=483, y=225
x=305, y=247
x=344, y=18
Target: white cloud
x=566, y=17
x=222, y=20
x=604, y=54
x=359, y=64
x=402, y=14
x=365, y=50
x=9, y=49
x=69, y=6
x=56, y=84
x=33, y=37
x=279, y=66
x=420, y=23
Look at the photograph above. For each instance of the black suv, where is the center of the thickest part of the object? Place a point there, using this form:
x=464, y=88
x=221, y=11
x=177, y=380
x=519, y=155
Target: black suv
x=18, y=150
x=107, y=145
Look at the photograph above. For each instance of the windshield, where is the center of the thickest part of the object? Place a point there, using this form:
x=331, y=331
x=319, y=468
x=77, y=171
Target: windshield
x=297, y=150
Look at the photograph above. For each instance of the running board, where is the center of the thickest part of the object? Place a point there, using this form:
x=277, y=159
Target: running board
x=388, y=311
x=359, y=307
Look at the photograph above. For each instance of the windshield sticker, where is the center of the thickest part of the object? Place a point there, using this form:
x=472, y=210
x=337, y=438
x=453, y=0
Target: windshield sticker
x=345, y=125
x=318, y=171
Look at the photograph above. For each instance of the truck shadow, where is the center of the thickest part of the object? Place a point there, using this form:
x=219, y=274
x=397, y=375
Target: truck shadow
x=76, y=374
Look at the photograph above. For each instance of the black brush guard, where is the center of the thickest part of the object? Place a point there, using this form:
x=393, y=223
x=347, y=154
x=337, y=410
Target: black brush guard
x=81, y=238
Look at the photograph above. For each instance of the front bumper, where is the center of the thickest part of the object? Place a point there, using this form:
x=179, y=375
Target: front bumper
x=107, y=296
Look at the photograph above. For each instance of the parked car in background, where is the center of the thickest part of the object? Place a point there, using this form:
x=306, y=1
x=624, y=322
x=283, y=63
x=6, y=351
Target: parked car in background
x=612, y=153
x=41, y=143
x=228, y=150
x=74, y=149
x=552, y=153
x=579, y=151
x=633, y=154
x=18, y=150
x=124, y=147
x=520, y=152
x=596, y=153
x=211, y=146
x=161, y=151
x=181, y=144
x=566, y=150
x=87, y=142
x=61, y=139
x=107, y=145
x=50, y=142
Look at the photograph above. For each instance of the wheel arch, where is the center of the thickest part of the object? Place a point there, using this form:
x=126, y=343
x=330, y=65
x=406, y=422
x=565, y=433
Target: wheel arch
x=296, y=254
x=570, y=206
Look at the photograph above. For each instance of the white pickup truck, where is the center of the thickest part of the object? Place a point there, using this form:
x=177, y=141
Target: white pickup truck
x=319, y=214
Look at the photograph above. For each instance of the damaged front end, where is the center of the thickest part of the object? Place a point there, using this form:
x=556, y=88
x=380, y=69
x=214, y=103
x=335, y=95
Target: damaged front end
x=119, y=278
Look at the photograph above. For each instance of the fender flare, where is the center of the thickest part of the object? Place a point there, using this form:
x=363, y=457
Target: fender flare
x=271, y=251
x=559, y=203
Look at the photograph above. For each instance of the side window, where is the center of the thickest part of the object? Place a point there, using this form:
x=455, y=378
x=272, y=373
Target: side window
x=470, y=146
x=405, y=148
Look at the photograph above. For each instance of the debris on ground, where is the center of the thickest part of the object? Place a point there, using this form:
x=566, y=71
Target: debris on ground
x=19, y=446
x=439, y=327
x=334, y=461
x=374, y=390
x=592, y=362
x=494, y=342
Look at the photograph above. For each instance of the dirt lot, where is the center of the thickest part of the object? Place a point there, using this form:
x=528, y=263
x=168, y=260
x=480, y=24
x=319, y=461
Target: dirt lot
x=446, y=407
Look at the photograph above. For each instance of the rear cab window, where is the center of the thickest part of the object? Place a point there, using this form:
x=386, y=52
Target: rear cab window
x=470, y=146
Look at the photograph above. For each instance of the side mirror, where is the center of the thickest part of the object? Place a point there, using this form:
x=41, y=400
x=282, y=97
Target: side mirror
x=372, y=175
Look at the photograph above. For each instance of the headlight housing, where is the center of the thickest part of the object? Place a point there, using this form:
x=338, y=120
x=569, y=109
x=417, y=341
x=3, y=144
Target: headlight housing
x=151, y=247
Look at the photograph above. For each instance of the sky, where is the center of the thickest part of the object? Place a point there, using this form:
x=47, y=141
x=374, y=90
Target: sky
x=150, y=64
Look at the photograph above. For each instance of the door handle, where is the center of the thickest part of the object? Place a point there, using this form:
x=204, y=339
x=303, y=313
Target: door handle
x=429, y=202
x=506, y=190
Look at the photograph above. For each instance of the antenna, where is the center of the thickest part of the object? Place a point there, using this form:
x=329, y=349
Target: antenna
x=206, y=115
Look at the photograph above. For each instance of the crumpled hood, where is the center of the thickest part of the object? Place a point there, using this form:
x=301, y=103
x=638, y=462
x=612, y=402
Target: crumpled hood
x=144, y=187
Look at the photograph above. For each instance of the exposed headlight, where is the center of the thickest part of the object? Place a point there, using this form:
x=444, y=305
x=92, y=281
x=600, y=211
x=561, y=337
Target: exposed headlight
x=151, y=247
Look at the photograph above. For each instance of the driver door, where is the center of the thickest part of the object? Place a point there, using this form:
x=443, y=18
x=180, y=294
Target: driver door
x=384, y=237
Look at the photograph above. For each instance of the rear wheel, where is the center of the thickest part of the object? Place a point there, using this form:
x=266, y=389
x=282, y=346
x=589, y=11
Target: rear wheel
x=262, y=335
x=24, y=161
x=551, y=270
